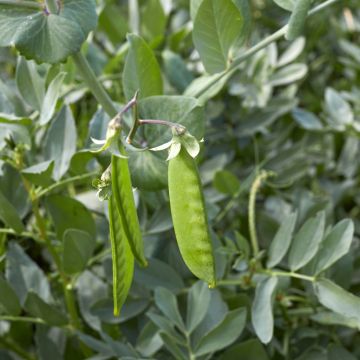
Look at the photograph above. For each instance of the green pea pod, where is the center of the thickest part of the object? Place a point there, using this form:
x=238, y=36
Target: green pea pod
x=122, y=258
x=124, y=199
x=189, y=217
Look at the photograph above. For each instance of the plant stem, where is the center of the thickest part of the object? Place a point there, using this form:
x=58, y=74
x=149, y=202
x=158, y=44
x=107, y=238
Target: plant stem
x=25, y=234
x=252, y=206
x=290, y=274
x=134, y=16
x=40, y=222
x=260, y=45
x=22, y=319
x=22, y=4
x=239, y=281
x=52, y=6
x=94, y=85
x=65, y=182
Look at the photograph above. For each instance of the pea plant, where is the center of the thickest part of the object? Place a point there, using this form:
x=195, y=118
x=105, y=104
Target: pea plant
x=178, y=179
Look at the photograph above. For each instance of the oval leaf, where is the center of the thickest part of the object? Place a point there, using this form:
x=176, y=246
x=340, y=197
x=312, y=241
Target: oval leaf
x=224, y=333
x=219, y=25
x=47, y=37
x=335, y=245
x=261, y=312
x=141, y=70
x=337, y=299
x=282, y=240
x=307, y=241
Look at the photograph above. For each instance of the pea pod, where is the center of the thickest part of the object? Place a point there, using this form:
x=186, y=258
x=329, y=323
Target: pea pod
x=122, y=258
x=124, y=199
x=190, y=218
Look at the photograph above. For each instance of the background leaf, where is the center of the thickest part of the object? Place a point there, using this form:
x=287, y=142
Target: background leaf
x=141, y=71
x=262, y=317
x=218, y=26
x=60, y=143
x=306, y=242
x=60, y=35
x=224, y=333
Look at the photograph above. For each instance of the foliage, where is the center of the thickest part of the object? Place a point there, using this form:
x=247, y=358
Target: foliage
x=264, y=95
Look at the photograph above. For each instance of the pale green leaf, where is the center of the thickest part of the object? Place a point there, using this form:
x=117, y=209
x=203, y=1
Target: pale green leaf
x=335, y=245
x=337, y=299
x=60, y=143
x=282, y=240
x=262, y=317
x=47, y=37
x=306, y=242
x=224, y=333
x=141, y=70
x=218, y=26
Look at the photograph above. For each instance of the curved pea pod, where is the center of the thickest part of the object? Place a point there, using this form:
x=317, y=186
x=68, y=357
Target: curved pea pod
x=122, y=258
x=124, y=199
x=189, y=217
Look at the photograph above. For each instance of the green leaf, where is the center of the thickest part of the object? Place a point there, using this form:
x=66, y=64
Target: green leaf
x=282, y=240
x=297, y=19
x=224, y=333
x=331, y=318
x=335, y=245
x=78, y=246
x=207, y=86
x=226, y=182
x=286, y=4
x=68, y=213
x=38, y=308
x=172, y=347
x=48, y=345
x=159, y=274
x=25, y=275
x=262, y=317
x=148, y=170
x=60, y=143
x=250, y=350
x=9, y=215
x=40, y=174
x=166, y=301
x=90, y=290
x=179, y=109
x=337, y=299
x=18, y=133
x=338, y=111
x=47, y=38
x=8, y=298
x=176, y=71
x=198, y=302
x=336, y=352
x=122, y=258
x=307, y=241
x=288, y=74
x=307, y=120
x=12, y=187
x=51, y=98
x=219, y=25
x=151, y=29
x=292, y=52
x=29, y=83
x=166, y=326
x=141, y=70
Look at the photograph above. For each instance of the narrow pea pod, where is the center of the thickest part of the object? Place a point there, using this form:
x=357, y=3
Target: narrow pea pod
x=124, y=199
x=122, y=258
x=190, y=218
